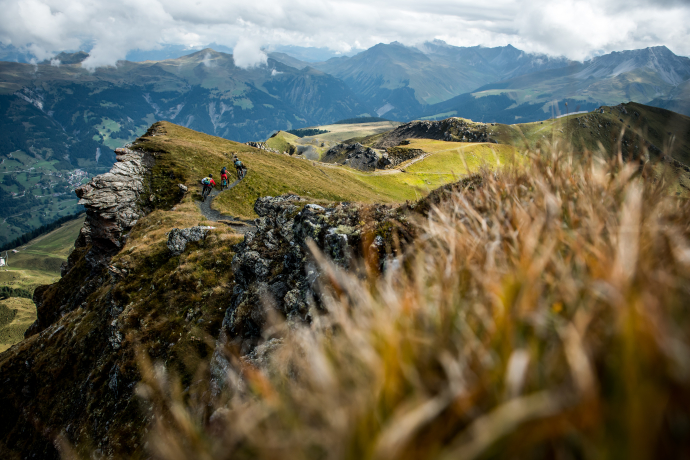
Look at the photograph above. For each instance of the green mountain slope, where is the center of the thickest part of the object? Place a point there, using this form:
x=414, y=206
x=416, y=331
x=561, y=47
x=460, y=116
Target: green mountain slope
x=677, y=101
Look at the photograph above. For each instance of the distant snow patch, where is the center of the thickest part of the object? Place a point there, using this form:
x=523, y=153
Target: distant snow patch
x=274, y=72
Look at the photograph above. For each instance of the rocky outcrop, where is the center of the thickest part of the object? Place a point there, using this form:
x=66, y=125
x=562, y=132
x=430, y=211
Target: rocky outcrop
x=451, y=130
x=356, y=156
x=264, y=147
x=113, y=203
x=273, y=269
x=179, y=238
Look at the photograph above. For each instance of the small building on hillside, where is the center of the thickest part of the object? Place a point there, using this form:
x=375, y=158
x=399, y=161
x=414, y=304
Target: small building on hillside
x=2, y=261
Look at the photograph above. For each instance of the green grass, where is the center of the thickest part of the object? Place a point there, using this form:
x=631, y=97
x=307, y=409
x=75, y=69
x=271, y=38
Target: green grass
x=282, y=141
x=457, y=158
x=48, y=251
x=38, y=262
x=21, y=313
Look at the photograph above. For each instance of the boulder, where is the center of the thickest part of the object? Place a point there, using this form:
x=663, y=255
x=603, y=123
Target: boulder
x=179, y=238
x=354, y=155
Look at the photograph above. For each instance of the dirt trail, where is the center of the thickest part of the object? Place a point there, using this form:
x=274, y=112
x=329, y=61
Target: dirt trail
x=239, y=225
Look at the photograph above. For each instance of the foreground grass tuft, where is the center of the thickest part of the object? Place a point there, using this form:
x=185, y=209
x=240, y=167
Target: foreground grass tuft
x=542, y=314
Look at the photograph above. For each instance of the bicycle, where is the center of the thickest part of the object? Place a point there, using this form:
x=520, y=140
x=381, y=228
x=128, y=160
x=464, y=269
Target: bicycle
x=224, y=183
x=205, y=192
x=241, y=172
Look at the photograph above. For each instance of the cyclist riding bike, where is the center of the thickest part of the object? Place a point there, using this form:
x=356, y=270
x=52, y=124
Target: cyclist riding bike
x=241, y=170
x=224, y=178
x=208, y=184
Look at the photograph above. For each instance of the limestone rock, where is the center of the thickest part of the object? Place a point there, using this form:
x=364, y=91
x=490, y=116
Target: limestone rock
x=179, y=238
x=112, y=202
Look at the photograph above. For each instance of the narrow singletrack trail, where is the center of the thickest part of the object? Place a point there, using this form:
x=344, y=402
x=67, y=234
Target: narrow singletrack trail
x=239, y=225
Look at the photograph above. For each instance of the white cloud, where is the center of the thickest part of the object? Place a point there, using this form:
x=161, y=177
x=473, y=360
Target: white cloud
x=55, y=62
x=574, y=28
x=247, y=53
x=207, y=61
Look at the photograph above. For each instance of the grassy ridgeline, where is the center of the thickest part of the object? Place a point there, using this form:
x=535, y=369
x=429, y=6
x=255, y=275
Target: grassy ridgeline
x=542, y=313
x=188, y=156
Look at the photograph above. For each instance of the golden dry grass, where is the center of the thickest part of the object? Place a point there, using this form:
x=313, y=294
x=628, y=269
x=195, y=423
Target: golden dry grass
x=542, y=314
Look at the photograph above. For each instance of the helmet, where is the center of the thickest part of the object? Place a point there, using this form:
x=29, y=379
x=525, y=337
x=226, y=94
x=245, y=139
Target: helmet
x=210, y=175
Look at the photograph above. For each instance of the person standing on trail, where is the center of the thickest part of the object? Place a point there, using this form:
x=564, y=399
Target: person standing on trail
x=208, y=184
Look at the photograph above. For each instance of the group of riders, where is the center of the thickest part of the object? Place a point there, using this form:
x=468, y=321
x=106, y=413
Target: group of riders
x=208, y=182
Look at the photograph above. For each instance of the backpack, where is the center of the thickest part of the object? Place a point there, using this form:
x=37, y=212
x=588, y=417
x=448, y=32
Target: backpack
x=222, y=171
x=206, y=181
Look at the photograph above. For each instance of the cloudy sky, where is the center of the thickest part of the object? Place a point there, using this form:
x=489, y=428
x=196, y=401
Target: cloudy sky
x=575, y=28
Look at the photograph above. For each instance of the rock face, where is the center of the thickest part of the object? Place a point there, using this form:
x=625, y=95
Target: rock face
x=273, y=268
x=178, y=238
x=356, y=156
x=451, y=130
x=113, y=204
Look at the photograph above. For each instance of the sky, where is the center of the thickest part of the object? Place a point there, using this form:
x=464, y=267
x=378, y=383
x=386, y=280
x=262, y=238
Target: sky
x=577, y=29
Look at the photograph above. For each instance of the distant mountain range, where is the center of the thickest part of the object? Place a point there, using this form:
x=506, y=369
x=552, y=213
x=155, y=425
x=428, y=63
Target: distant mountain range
x=504, y=84
x=653, y=76
x=62, y=117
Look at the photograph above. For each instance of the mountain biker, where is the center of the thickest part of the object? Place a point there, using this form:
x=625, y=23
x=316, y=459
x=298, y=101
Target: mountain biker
x=208, y=184
x=224, y=175
x=238, y=165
